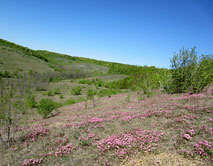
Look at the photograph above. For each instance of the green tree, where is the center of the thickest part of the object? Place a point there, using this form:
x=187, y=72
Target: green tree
x=204, y=73
x=190, y=73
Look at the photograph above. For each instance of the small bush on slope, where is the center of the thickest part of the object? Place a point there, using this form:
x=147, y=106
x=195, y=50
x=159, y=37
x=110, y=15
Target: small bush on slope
x=46, y=106
x=76, y=91
x=31, y=103
x=70, y=101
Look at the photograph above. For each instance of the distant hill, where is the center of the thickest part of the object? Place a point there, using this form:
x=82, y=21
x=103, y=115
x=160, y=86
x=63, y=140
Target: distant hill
x=16, y=58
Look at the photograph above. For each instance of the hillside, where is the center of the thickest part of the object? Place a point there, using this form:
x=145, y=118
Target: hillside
x=13, y=61
x=59, y=62
x=61, y=110
x=121, y=130
x=15, y=58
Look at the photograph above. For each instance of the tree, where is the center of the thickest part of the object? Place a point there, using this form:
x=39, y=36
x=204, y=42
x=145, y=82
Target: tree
x=12, y=108
x=203, y=74
x=190, y=73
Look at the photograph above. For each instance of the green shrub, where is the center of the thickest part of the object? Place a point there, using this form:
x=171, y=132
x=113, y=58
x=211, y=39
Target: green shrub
x=50, y=93
x=147, y=88
x=40, y=88
x=56, y=91
x=108, y=92
x=5, y=74
x=80, y=100
x=61, y=96
x=88, y=82
x=100, y=83
x=70, y=101
x=76, y=91
x=103, y=92
x=91, y=93
x=85, y=142
x=57, y=105
x=31, y=103
x=83, y=81
x=46, y=106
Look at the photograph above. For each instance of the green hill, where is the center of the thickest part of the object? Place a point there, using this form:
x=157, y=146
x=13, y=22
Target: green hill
x=15, y=58
x=12, y=61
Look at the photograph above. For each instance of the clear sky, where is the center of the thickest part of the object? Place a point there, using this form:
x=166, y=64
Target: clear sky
x=140, y=32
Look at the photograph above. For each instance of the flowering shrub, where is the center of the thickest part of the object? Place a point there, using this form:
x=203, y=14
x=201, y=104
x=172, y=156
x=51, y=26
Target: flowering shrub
x=32, y=162
x=204, y=148
x=207, y=130
x=63, y=147
x=191, y=132
x=89, y=136
x=61, y=150
x=123, y=143
x=86, y=140
x=95, y=120
x=37, y=131
x=187, y=136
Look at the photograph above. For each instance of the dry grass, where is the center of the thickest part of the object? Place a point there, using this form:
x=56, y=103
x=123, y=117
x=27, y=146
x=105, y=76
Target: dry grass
x=162, y=159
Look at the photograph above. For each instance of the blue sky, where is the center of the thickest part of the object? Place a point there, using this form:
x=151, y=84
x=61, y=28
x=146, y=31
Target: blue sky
x=139, y=32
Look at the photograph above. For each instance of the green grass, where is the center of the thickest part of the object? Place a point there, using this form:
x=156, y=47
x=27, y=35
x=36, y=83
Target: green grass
x=61, y=91
x=17, y=59
x=13, y=61
x=111, y=77
x=87, y=67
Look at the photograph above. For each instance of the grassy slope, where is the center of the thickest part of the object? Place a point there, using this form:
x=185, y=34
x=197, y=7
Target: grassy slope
x=63, y=62
x=111, y=77
x=15, y=57
x=74, y=135
x=12, y=61
x=71, y=63
x=65, y=88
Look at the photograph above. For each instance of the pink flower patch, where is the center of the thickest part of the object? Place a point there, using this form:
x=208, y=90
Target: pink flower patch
x=122, y=143
x=35, y=132
x=203, y=147
x=187, y=136
x=32, y=162
x=95, y=120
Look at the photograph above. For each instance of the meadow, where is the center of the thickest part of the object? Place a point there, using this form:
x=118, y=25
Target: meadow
x=121, y=130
